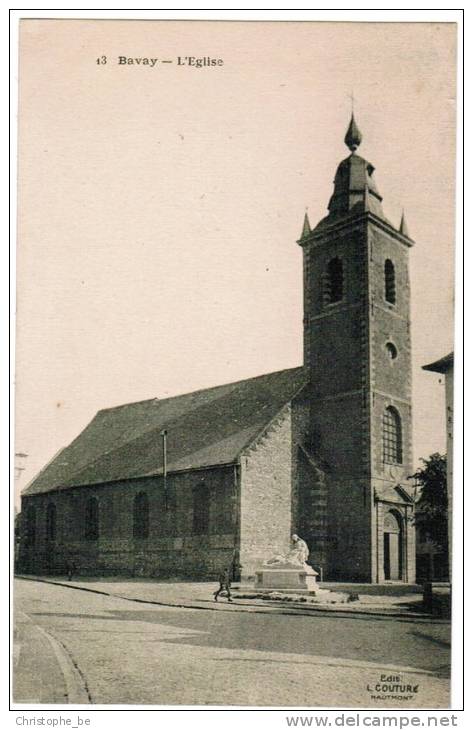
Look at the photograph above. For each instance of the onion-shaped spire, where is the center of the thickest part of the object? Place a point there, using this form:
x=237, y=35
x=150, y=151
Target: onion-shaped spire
x=353, y=136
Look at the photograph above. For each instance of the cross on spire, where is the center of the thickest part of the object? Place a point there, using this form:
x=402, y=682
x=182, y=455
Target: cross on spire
x=352, y=97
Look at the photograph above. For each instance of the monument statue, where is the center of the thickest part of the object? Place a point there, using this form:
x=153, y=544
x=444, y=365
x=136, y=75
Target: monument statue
x=296, y=557
x=289, y=572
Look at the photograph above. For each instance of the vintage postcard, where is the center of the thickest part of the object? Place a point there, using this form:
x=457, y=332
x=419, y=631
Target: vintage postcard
x=234, y=366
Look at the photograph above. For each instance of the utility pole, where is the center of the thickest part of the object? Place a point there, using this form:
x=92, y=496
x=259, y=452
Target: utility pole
x=164, y=437
x=19, y=469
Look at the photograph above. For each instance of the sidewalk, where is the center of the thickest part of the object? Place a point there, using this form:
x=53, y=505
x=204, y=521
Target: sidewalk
x=43, y=672
x=199, y=595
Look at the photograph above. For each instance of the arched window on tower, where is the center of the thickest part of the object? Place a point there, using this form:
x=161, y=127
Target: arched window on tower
x=334, y=283
x=51, y=521
x=201, y=509
x=389, y=282
x=92, y=519
x=392, y=436
x=141, y=516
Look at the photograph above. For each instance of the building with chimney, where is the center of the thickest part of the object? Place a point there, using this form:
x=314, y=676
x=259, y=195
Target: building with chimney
x=187, y=485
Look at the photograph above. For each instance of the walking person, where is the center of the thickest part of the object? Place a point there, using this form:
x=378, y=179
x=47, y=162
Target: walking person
x=225, y=585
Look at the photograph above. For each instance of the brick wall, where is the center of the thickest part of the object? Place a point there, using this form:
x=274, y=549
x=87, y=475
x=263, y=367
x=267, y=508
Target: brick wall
x=171, y=547
x=390, y=378
x=352, y=381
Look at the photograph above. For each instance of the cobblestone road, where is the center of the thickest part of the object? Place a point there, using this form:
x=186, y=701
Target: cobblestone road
x=73, y=646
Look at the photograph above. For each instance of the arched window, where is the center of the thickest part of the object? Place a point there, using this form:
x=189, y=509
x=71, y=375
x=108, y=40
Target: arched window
x=334, y=281
x=92, y=519
x=391, y=350
x=201, y=509
x=30, y=532
x=392, y=436
x=141, y=516
x=389, y=282
x=51, y=521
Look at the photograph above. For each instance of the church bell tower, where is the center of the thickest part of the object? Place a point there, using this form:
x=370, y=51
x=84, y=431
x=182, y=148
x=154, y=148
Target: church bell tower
x=357, y=353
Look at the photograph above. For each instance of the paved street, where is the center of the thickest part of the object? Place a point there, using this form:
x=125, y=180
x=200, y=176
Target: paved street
x=79, y=647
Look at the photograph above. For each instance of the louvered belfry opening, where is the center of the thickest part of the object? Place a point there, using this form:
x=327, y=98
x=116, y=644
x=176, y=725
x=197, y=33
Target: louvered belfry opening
x=389, y=282
x=334, y=281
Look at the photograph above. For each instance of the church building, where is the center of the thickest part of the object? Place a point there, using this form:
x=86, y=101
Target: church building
x=187, y=485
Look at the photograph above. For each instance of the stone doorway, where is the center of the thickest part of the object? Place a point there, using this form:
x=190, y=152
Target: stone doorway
x=392, y=547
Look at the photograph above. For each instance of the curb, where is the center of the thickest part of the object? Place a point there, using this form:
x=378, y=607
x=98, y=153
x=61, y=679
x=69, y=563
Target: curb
x=272, y=606
x=77, y=691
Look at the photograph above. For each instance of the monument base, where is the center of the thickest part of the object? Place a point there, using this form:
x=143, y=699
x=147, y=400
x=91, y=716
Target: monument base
x=286, y=579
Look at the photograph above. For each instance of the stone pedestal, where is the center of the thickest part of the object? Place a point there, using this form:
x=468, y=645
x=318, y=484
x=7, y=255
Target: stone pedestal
x=438, y=598
x=286, y=579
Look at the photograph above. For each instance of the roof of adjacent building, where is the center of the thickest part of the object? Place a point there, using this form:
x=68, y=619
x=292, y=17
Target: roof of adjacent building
x=205, y=428
x=440, y=366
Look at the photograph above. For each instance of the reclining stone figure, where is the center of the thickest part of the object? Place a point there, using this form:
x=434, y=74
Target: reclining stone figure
x=296, y=557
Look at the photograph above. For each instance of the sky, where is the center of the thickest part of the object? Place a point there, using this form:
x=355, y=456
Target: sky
x=159, y=206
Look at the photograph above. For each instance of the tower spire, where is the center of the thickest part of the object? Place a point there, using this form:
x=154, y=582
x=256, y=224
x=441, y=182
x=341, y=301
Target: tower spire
x=354, y=186
x=306, y=226
x=403, y=225
x=353, y=136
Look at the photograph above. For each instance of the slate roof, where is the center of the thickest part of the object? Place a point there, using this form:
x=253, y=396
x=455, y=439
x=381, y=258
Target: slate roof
x=205, y=428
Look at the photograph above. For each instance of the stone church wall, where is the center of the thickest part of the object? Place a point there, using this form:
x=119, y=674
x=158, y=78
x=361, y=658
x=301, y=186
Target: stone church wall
x=266, y=494
x=172, y=547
